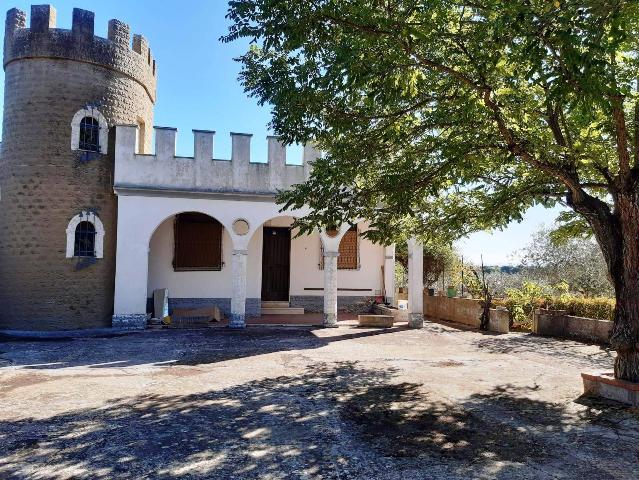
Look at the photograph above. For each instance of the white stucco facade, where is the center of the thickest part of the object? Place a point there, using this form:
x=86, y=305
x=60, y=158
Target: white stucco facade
x=240, y=195
x=306, y=274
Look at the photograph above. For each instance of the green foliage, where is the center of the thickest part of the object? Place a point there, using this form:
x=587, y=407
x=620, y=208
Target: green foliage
x=594, y=307
x=444, y=117
x=522, y=302
x=439, y=258
x=473, y=283
x=401, y=275
x=577, y=262
x=569, y=226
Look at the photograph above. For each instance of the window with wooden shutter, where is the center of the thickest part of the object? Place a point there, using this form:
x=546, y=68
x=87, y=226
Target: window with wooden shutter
x=348, y=250
x=198, y=242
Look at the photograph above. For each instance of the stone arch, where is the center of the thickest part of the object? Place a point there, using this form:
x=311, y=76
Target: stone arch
x=91, y=112
x=135, y=231
x=331, y=243
x=162, y=250
x=92, y=218
x=279, y=216
x=165, y=217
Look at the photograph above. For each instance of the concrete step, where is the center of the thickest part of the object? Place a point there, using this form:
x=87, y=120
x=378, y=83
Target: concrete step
x=271, y=304
x=282, y=311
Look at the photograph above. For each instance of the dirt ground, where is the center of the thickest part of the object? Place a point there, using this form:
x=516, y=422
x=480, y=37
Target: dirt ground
x=346, y=403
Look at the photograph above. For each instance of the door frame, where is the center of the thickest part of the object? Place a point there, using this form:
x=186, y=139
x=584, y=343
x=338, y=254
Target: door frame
x=288, y=293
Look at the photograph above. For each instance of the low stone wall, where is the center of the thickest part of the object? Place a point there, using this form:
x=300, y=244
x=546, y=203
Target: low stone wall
x=397, y=314
x=499, y=320
x=315, y=303
x=556, y=323
x=130, y=322
x=465, y=311
x=253, y=305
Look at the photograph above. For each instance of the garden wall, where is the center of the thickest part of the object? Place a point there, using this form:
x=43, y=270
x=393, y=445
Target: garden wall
x=556, y=323
x=465, y=311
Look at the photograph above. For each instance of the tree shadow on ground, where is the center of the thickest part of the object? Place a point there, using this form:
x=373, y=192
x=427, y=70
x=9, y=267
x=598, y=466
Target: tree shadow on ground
x=169, y=347
x=332, y=421
x=568, y=351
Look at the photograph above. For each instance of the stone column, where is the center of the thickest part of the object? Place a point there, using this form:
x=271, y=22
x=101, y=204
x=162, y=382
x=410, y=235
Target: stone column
x=238, y=301
x=330, y=289
x=389, y=274
x=415, y=283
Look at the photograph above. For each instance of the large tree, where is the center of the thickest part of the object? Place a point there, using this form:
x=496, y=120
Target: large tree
x=440, y=117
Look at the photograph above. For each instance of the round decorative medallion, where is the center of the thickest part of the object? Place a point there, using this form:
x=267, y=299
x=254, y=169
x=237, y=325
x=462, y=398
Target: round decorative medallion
x=332, y=232
x=240, y=226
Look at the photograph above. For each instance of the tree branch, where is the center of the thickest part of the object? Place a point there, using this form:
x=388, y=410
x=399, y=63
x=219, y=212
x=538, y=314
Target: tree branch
x=621, y=132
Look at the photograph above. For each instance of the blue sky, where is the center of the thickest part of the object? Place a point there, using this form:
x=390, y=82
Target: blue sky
x=198, y=88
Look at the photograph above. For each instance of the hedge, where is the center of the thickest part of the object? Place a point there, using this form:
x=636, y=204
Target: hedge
x=592, y=307
x=595, y=307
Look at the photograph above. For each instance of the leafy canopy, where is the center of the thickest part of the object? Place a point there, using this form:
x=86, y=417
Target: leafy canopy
x=440, y=117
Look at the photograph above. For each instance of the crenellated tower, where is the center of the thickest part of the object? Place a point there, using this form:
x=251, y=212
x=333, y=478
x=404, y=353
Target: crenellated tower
x=65, y=90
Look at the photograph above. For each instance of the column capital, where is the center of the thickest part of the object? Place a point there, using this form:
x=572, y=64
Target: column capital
x=240, y=252
x=331, y=254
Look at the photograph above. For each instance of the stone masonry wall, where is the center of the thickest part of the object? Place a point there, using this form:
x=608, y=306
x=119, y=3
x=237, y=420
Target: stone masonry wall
x=466, y=311
x=44, y=184
x=315, y=303
x=556, y=323
x=253, y=305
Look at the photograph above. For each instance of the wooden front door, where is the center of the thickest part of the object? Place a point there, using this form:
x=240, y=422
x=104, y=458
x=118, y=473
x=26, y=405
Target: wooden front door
x=276, y=264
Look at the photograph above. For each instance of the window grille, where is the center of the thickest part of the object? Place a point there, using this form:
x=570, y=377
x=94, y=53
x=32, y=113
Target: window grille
x=84, y=240
x=197, y=243
x=89, y=134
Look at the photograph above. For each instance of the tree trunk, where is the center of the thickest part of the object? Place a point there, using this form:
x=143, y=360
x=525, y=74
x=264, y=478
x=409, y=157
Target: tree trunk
x=624, y=337
x=618, y=236
x=625, y=275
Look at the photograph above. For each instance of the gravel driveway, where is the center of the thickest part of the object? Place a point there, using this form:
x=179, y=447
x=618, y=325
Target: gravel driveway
x=271, y=403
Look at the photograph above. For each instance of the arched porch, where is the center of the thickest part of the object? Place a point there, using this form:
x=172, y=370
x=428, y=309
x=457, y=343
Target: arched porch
x=145, y=226
x=145, y=252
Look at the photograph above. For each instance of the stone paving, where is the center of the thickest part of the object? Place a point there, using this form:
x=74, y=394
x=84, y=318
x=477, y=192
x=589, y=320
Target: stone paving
x=276, y=403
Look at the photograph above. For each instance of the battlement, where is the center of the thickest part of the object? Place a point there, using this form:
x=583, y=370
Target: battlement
x=43, y=40
x=202, y=173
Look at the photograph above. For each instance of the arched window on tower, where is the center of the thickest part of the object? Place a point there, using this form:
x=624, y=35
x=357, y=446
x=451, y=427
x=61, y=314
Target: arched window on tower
x=84, y=245
x=85, y=236
x=89, y=134
x=89, y=131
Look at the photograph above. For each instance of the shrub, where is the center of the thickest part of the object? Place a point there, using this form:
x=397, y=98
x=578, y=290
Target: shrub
x=522, y=302
x=595, y=307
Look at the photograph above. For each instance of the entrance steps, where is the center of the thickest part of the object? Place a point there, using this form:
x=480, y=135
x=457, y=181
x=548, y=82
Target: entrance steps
x=280, y=308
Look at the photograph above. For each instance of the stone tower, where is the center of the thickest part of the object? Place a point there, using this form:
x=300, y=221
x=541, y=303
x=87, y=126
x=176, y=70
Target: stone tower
x=54, y=80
